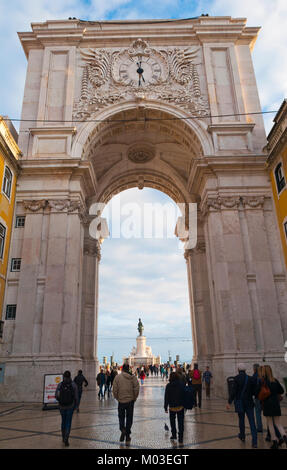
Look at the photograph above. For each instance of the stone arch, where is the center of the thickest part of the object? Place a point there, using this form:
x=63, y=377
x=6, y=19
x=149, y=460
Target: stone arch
x=196, y=127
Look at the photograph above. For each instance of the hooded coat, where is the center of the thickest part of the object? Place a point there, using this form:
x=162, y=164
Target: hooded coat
x=125, y=387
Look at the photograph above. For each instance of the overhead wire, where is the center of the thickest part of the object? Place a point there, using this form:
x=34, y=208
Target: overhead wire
x=144, y=119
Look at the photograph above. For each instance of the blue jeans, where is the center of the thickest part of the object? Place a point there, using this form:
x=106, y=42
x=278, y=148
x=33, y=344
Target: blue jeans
x=67, y=415
x=250, y=415
x=258, y=412
x=101, y=392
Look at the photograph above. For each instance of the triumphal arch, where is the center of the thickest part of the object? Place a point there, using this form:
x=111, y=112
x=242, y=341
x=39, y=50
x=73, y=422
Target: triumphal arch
x=171, y=105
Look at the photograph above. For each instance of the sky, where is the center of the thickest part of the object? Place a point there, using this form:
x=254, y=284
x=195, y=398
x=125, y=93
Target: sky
x=145, y=277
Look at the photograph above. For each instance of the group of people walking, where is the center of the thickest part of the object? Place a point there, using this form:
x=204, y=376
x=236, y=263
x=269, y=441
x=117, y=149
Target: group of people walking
x=260, y=392
x=105, y=381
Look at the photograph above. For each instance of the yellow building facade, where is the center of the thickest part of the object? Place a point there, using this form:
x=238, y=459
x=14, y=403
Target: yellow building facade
x=9, y=170
x=277, y=166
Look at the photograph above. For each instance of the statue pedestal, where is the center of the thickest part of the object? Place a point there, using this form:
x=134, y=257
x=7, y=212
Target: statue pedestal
x=141, y=346
x=142, y=354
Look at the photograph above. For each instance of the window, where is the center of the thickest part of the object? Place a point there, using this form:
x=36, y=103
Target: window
x=15, y=264
x=7, y=182
x=20, y=221
x=279, y=176
x=2, y=239
x=11, y=312
x=285, y=228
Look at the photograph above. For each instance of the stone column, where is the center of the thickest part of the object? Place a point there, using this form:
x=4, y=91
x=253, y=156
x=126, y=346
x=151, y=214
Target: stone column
x=188, y=255
x=231, y=306
x=242, y=271
x=61, y=308
x=89, y=324
x=269, y=280
x=26, y=338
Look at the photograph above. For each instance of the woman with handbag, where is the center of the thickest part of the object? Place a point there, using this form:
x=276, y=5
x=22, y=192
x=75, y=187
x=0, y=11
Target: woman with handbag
x=269, y=395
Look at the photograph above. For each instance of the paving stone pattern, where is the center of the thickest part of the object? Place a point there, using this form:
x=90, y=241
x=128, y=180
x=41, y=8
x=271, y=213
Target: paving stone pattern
x=27, y=426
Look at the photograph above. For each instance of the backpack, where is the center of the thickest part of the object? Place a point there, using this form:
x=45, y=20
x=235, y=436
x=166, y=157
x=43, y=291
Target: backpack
x=196, y=374
x=188, y=398
x=66, y=394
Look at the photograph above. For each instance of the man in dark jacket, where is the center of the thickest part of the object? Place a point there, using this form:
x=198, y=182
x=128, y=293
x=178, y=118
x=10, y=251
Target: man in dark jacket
x=79, y=381
x=242, y=393
x=174, y=400
x=101, y=381
x=67, y=396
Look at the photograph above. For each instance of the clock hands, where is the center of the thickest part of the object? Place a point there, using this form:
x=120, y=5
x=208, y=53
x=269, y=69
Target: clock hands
x=140, y=71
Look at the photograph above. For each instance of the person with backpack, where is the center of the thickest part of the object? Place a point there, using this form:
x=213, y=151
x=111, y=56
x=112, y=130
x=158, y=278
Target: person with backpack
x=67, y=396
x=244, y=388
x=174, y=401
x=270, y=394
x=195, y=376
x=79, y=381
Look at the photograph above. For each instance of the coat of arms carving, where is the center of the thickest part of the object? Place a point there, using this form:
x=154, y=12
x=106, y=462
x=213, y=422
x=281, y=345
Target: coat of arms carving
x=168, y=75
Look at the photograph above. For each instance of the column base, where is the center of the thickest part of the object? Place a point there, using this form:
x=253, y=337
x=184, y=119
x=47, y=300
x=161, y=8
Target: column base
x=24, y=379
x=223, y=366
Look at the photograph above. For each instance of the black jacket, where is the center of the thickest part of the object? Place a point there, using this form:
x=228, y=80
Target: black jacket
x=79, y=380
x=250, y=391
x=271, y=405
x=174, y=394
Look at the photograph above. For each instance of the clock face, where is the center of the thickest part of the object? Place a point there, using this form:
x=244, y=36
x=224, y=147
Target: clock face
x=138, y=70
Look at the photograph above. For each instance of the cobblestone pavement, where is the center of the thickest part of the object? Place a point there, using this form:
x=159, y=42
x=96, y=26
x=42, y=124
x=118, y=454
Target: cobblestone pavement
x=27, y=426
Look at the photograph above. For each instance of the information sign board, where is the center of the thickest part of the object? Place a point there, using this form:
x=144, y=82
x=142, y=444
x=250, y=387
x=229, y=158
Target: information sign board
x=51, y=381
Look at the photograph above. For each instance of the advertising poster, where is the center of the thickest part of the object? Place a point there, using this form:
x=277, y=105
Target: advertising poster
x=50, y=385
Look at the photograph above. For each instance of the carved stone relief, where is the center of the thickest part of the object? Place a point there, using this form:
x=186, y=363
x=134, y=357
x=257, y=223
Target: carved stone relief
x=140, y=72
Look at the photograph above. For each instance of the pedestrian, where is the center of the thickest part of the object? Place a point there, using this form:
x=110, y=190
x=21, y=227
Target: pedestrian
x=243, y=390
x=257, y=403
x=67, y=396
x=108, y=382
x=166, y=373
x=125, y=391
x=174, y=401
x=206, y=377
x=79, y=381
x=270, y=394
x=195, y=375
x=181, y=374
x=101, y=381
x=142, y=376
x=114, y=373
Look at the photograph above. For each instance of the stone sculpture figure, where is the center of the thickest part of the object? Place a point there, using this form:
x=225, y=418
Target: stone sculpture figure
x=140, y=327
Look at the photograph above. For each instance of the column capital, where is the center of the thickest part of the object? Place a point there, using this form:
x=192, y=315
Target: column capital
x=92, y=247
x=55, y=205
x=218, y=203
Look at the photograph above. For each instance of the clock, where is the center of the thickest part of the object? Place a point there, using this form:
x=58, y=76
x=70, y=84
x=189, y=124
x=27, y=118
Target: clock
x=139, y=70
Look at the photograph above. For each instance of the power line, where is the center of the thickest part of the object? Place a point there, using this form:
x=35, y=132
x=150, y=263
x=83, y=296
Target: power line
x=145, y=119
x=155, y=21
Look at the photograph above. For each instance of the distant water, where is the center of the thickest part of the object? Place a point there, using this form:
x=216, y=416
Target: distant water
x=121, y=347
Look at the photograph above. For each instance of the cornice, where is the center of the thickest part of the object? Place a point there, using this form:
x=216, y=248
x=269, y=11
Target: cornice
x=111, y=33
x=207, y=166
